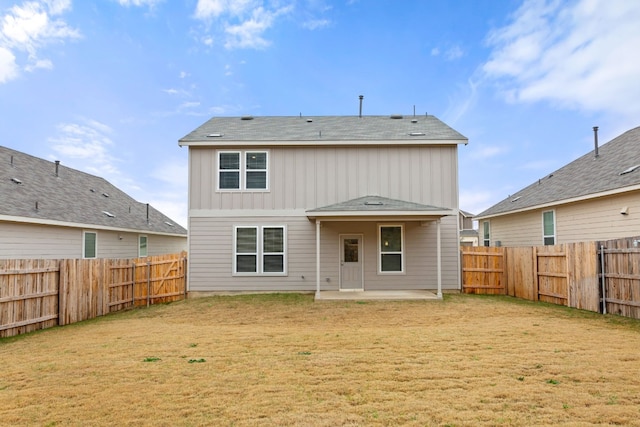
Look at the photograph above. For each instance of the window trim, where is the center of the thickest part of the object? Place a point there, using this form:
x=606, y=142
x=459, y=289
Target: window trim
x=84, y=244
x=486, y=234
x=242, y=171
x=146, y=246
x=260, y=253
x=402, y=250
x=554, y=235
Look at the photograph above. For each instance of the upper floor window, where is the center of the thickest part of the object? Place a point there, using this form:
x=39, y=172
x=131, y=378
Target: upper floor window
x=486, y=237
x=549, y=228
x=242, y=170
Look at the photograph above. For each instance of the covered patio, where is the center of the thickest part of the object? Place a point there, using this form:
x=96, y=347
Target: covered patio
x=381, y=210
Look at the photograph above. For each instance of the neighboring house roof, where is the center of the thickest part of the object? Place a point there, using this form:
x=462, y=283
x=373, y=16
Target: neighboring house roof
x=466, y=214
x=322, y=130
x=32, y=191
x=376, y=205
x=615, y=170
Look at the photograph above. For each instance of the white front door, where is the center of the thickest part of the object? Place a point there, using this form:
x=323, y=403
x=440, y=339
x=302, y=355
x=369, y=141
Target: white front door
x=351, y=262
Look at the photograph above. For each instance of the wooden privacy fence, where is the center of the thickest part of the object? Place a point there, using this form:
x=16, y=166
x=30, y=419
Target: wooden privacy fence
x=37, y=294
x=570, y=274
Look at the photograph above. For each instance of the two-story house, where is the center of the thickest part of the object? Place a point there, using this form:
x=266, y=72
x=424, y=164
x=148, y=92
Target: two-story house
x=323, y=204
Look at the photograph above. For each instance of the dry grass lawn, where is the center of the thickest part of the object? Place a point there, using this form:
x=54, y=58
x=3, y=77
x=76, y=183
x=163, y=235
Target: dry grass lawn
x=265, y=360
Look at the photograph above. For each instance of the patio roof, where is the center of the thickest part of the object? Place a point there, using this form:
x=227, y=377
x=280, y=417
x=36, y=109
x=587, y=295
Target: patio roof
x=370, y=207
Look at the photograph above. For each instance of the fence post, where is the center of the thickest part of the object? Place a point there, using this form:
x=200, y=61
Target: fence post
x=536, y=293
x=602, y=280
x=148, y=283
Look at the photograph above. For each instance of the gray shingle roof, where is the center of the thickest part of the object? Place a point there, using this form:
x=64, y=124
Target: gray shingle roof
x=584, y=176
x=377, y=204
x=323, y=129
x=29, y=188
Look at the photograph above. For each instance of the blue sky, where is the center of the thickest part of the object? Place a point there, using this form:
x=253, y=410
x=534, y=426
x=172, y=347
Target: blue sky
x=109, y=86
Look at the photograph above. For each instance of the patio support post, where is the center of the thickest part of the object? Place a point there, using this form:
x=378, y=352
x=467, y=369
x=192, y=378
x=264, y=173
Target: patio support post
x=439, y=259
x=317, y=258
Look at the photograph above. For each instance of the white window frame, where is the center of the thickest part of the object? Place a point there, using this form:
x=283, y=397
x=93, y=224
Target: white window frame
x=260, y=253
x=401, y=252
x=84, y=243
x=146, y=245
x=545, y=236
x=486, y=238
x=242, y=171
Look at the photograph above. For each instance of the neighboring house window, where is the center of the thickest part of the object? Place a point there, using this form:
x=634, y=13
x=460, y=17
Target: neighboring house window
x=89, y=244
x=391, y=245
x=549, y=228
x=260, y=250
x=486, y=238
x=242, y=170
x=142, y=246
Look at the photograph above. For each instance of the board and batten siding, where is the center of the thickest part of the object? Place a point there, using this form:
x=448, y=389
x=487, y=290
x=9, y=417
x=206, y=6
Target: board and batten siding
x=310, y=177
x=211, y=255
x=588, y=220
x=26, y=241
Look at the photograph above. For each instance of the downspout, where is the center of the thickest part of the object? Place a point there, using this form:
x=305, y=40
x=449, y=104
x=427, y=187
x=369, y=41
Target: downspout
x=317, y=258
x=439, y=259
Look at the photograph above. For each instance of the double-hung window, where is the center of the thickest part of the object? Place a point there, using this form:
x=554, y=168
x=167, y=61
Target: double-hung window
x=260, y=250
x=548, y=228
x=142, y=246
x=242, y=170
x=486, y=236
x=390, y=249
x=89, y=244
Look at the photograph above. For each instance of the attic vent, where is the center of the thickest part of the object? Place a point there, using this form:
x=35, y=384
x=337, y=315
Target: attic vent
x=246, y=118
x=168, y=223
x=396, y=116
x=215, y=135
x=93, y=190
x=16, y=180
x=109, y=214
x=373, y=203
x=515, y=199
x=414, y=120
x=105, y=194
x=309, y=120
x=629, y=170
x=416, y=134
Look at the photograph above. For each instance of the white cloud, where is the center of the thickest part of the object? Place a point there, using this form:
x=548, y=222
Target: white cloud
x=29, y=28
x=579, y=55
x=243, y=22
x=86, y=146
x=150, y=3
x=315, y=24
x=435, y=51
x=453, y=53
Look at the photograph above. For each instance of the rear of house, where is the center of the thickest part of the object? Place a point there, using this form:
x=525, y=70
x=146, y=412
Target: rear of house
x=323, y=203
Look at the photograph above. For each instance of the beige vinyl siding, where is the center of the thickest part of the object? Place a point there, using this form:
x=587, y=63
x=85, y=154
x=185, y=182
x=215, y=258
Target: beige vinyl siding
x=211, y=253
x=23, y=240
x=599, y=219
x=310, y=177
x=523, y=229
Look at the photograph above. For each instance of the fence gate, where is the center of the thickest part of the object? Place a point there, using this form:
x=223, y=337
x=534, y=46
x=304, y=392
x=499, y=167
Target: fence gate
x=483, y=271
x=622, y=276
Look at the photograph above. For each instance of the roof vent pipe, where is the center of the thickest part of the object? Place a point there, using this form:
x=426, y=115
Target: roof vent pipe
x=361, y=97
x=57, y=166
x=595, y=139
x=147, y=213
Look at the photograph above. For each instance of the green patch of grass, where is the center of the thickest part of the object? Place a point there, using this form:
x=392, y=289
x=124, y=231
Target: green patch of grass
x=552, y=381
x=197, y=360
x=151, y=359
x=304, y=353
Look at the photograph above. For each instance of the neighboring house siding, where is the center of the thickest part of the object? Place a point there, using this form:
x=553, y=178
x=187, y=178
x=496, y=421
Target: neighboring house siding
x=310, y=177
x=599, y=219
x=524, y=229
x=212, y=239
x=22, y=240
x=26, y=241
